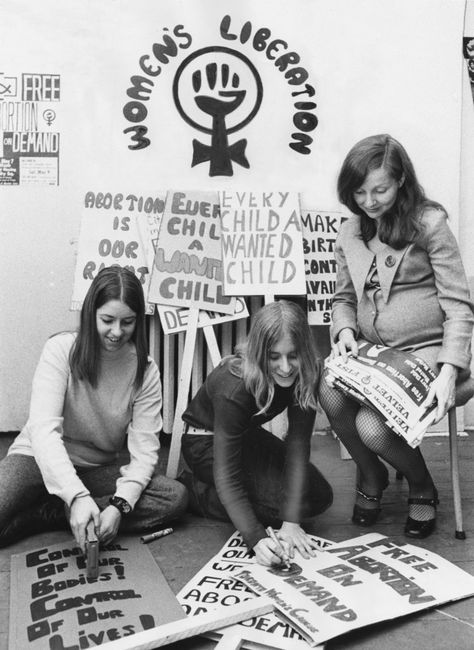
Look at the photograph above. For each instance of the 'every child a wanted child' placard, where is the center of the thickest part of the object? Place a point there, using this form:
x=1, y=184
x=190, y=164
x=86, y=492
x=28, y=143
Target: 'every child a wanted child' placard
x=262, y=246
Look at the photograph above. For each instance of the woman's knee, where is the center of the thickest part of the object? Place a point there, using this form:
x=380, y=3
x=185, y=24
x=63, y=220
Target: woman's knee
x=319, y=497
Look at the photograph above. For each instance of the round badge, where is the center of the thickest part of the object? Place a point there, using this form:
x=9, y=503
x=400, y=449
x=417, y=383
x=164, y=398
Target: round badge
x=390, y=261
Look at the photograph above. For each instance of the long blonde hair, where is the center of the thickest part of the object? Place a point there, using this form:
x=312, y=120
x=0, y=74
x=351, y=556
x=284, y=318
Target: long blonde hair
x=269, y=325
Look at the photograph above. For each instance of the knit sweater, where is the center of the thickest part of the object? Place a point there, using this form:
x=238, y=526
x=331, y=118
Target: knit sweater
x=72, y=424
x=225, y=407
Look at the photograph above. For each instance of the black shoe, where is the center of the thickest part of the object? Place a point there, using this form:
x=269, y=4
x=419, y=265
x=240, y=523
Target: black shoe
x=46, y=515
x=366, y=516
x=417, y=528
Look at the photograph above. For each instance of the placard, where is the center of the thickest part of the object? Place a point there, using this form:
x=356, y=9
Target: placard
x=116, y=229
x=320, y=230
x=262, y=246
x=187, y=269
x=175, y=319
x=214, y=586
x=53, y=604
x=358, y=582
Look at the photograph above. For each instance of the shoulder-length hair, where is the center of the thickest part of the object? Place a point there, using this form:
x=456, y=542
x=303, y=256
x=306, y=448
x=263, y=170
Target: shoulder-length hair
x=400, y=225
x=111, y=283
x=268, y=326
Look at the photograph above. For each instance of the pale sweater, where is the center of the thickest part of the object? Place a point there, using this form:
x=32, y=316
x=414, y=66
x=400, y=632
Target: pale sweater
x=73, y=424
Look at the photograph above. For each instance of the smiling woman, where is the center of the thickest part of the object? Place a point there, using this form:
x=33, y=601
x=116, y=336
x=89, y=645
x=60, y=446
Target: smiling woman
x=240, y=471
x=93, y=392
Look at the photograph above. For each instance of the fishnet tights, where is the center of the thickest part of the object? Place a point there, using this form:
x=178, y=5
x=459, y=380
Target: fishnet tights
x=367, y=438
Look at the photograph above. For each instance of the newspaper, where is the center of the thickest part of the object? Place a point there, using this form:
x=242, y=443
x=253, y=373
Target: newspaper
x=392, y=382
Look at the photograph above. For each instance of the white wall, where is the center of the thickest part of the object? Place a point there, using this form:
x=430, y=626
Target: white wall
x=378, y=65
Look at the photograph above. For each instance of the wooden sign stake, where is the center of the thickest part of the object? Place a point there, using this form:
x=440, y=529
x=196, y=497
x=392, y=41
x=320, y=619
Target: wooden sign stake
x=183, y=629
x=183, y=393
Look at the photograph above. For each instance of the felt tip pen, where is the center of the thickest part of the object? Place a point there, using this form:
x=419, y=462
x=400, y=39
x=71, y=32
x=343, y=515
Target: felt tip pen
x=272, y=535
x=146, y=539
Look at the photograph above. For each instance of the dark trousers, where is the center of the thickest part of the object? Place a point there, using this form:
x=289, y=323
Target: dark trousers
x=263, y=465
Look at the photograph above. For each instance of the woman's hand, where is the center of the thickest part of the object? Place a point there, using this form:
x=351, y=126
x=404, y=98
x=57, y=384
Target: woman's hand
x=267, y=553
x=295, y=537
x=345, y=344
x=110, y=519
x=443, y=389
x=83, y=510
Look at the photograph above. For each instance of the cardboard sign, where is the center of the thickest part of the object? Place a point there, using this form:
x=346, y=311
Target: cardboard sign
x=54, y=605
x=320, y=229
x=358, y=582
x=262, y=245
x=116, y=229
x=175, y=319
x=187, y=269
x=214, y=586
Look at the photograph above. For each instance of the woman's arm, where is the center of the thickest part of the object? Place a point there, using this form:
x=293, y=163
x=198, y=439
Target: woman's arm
x=298, y=450
x=142, y=439
x=344, y=308
x=45, y=421
x=231, y=420
x=451, y=286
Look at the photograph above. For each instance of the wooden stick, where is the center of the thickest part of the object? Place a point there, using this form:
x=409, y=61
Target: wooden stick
x=212, y=345
x=183, y=393
x=191, y=626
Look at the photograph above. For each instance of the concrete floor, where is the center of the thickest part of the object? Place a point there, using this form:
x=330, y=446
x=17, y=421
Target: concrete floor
x=196, y=540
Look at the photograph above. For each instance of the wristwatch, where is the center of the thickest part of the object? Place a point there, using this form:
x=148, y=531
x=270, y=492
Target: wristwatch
x=122, y=506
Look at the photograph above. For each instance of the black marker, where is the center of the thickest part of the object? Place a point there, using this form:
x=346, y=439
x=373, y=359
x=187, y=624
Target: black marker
x=272, y=535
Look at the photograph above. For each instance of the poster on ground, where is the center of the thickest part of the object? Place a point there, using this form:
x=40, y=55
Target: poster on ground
x=357, y=582
x=53, y=604
x=187, y=268
x=214, y=585
x=262, y=246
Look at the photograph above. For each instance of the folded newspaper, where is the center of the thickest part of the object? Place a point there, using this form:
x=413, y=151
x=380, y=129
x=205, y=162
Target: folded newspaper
x=394, y=383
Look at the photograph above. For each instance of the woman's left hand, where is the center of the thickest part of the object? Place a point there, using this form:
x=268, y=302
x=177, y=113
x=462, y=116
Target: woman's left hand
x=443, y=389
x=296, y=537
x=109, y=524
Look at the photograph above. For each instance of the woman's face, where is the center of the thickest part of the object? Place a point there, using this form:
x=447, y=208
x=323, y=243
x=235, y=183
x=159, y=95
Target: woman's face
x=378, y=193
x=284, y=362
x=115, y=324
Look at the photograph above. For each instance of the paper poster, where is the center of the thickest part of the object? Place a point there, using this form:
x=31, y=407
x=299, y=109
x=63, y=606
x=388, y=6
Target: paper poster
x=358, y=582
x=175, y=319
x=320, y=230
x=214, y=585
x=187, y=269
x=116, y=229
x=54, y=605
x=30, y=141
x=468, y=51
x=262, y=246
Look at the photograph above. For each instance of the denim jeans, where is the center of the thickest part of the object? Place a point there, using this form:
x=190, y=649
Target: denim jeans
x=263, y=463
x=21, y=487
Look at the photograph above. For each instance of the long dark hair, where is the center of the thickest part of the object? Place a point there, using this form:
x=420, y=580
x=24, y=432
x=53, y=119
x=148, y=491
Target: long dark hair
x=268, y=326
x=399, y=225
x=112, y=283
